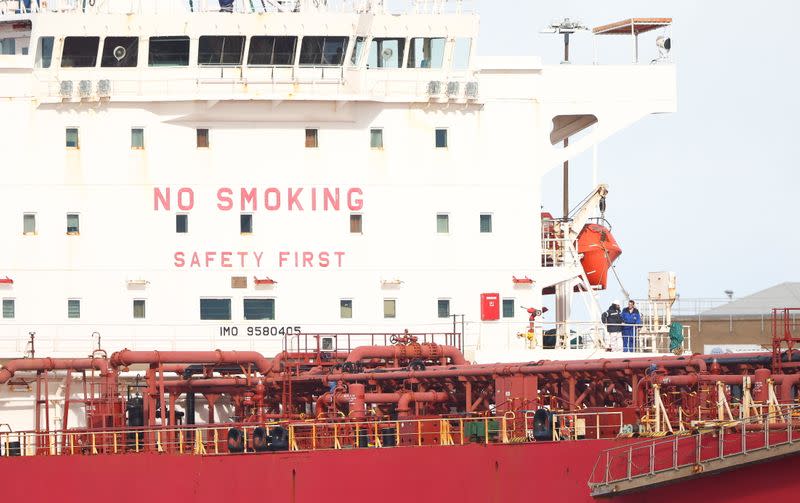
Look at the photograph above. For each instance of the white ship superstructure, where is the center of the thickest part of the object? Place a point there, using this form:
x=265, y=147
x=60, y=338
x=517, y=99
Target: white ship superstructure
x=177, y=176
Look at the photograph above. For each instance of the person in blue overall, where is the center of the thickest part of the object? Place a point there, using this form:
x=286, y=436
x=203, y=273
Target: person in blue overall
x=631, y=319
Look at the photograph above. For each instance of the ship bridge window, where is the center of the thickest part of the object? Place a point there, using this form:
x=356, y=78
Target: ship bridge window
x=29, y=224
x=323, y=50
x=443, y=308
x=215, y=309
x=358, y=51
x=486, y=223
x=168, y=51
x=139, y=309
x=220, y=50
x=426, y=53
x=122, y=52
x=79, y=52
x=508, y=308
x=461, y=52
x=259, y=309
x=272, y=51
x=72, y=140
x=44, y=52
x=386, y=53
x=74, y=308
x=73, y=224
x=346, y=308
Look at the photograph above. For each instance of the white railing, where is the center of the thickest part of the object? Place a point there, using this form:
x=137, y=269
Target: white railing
x=20, y=7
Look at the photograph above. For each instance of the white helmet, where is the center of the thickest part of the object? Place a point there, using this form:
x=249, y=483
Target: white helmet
x=615, y=302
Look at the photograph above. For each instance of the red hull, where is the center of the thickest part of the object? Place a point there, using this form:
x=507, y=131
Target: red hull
x=510, y=473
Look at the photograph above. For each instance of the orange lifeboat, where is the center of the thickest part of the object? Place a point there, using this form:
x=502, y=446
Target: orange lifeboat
x=599, y=250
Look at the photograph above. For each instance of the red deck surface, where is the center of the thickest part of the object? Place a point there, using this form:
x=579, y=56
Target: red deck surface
x=545, y=472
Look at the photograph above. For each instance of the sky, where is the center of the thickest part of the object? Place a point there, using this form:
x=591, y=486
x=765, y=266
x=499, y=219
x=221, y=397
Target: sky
x=710, y=192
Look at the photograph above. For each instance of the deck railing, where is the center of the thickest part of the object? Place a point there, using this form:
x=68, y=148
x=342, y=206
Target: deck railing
x=713, y=441
x=301, y=435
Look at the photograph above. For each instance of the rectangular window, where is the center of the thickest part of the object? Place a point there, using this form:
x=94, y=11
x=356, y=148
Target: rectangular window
x=220, y=50
x=73, y=223
x=259, y=309
x=346, y=308
x=168, y=51
x=246, y=223
x=508, y=308
x=443, y=223
x=137, y=138
x=322, y=50
x=8, y=309
x=73, y=308
x=486, y=222
x=312, y=140
x=44, y=52
x=272, y=51
x=386, y=53
x=72, y=138
x=215, y=309
x=80, y=52
x=202, y=138
x=376, y=138
x=461, y=52
x=426, y=53
x=441, y=138
x=120, y=52
x=389, y=308
x=443, y=308
x=181, y=224
x=29, y=224
x=8, y=46
x=358, y=49
x=356, y=223
x=138, y=309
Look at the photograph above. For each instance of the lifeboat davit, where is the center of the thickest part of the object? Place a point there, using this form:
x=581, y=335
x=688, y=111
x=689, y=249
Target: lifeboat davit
x=598, y=250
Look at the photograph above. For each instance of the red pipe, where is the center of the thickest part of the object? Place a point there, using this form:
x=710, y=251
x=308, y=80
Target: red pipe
x=127, y=357
x=426, y=350
x=510, y=369
x=23, y=364
x=401, y=399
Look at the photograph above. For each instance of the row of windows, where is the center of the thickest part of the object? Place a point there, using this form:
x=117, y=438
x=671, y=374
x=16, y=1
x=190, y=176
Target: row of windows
x=229, y=50
x=30, y=228
x=72, y=138
x=254, y=309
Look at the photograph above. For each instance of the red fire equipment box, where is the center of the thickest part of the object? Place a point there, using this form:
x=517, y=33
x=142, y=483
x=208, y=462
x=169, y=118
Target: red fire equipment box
x=490, y=306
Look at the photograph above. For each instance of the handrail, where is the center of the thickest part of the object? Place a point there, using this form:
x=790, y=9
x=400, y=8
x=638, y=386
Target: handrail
x=649, y=457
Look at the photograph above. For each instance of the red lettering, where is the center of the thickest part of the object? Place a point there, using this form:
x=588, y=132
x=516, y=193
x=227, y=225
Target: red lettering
x=223, y=196
x=242, y=256
x=307, y=256
x=210, y=257
x=187, y=203
x=293, y=195
x=179, y=260
x=282, y=257
x=161, y=197
x=195, y=260
x=225, y=259
x=277, y=204
x=323, y=259
x=339, y=255
x=354, y=200
x=258, y=258
x=249, y=197
x=332, y=198
x=313, y=199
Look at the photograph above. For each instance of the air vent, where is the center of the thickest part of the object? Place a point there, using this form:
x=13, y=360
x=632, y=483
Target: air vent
x=434, y=87
x=453, y=88
x=65, y=88
x=104, y=88
x=85, y=88
x=471, y=90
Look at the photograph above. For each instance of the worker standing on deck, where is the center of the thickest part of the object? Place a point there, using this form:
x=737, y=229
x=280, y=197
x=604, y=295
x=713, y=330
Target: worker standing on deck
x=612, y=319
x=633, y=320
